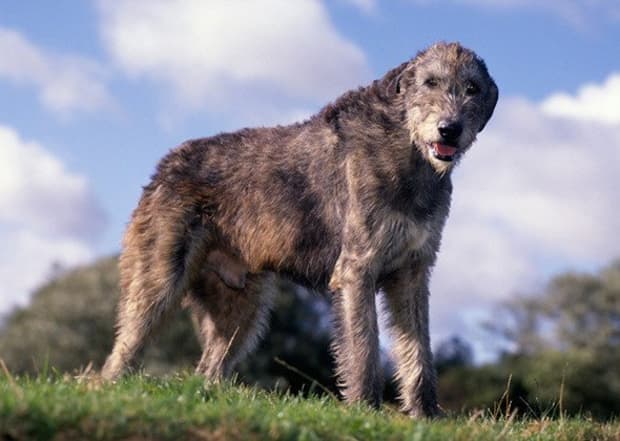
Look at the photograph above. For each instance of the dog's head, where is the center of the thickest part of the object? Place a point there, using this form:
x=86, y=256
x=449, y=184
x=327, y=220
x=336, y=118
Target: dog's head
x=449, y=97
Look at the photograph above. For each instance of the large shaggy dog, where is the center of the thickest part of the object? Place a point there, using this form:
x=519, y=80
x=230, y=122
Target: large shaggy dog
x=351, y=201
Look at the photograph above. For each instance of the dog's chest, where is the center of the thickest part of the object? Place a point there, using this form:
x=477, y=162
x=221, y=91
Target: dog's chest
x=400, y=238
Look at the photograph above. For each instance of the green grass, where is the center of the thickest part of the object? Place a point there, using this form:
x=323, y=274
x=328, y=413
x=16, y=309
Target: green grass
x=140, y=408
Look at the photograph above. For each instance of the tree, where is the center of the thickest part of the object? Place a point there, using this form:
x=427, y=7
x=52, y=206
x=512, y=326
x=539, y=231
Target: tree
x=70, y=323
x=452, y=353
x=567, y=343
x=578, y=312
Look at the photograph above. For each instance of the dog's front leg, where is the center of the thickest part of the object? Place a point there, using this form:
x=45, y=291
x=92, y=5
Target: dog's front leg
x=406, y=299
x=356, y=339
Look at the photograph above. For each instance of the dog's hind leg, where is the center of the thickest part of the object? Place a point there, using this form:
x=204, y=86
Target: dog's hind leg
x=230, y=321
x=161, y=252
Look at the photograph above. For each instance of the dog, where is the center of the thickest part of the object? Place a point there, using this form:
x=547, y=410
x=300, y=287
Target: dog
x=350, y=202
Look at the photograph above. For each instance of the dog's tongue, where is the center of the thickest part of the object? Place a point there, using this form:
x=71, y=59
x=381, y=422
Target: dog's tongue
x=444, y=150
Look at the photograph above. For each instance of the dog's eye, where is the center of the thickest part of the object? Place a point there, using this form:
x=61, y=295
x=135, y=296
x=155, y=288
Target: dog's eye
x=431, y=83
x=472, y=88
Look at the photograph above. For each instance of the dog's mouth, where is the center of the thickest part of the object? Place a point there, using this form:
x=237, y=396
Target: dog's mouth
x=443, y=152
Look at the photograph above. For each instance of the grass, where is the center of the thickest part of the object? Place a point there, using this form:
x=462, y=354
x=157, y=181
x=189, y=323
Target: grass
x=53, y=407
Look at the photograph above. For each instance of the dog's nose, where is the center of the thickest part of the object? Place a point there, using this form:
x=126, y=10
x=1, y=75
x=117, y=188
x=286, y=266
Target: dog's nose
x=450, y=130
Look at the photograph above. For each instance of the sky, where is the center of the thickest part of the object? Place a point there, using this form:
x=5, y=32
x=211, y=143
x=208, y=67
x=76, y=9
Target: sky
x=94, y=93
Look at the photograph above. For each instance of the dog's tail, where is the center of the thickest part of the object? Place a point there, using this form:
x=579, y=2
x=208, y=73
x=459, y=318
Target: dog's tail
x=162, y=250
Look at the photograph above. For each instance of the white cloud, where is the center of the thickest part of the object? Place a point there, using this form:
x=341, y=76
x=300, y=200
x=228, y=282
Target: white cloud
x=233, y=56
x=37, y=190
x=65, y=84
x=536, y=195
x=27, y=261
x=593, y=102
x=48, y=215
x=576, y=12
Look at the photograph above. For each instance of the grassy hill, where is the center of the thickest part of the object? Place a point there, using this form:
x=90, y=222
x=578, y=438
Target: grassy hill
x=141, y=408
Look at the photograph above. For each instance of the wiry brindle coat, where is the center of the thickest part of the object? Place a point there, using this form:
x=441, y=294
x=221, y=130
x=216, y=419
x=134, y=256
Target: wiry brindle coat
x=352, y=201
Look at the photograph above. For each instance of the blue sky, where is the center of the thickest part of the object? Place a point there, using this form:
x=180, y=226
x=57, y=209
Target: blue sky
x=93, y=93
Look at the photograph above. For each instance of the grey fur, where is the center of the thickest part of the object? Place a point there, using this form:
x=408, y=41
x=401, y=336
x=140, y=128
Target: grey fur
x=351, y=201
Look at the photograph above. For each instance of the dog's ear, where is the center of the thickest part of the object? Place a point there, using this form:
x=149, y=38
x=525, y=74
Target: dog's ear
x=489, y=103
x=492, y=93
x=393, y=79
x=394, y=85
